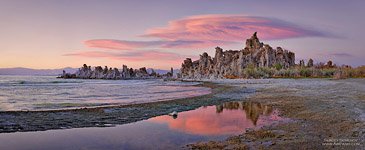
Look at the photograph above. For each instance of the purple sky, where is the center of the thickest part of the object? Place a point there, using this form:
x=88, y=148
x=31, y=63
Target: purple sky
x=160, y=33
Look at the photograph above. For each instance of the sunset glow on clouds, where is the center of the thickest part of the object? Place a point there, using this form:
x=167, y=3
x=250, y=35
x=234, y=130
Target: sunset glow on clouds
x=119, y=44
x=210, y=30
x=157, y=57
x=132, y=55
x=130, y=45
x=202, y=31
x=50, y=34
x=232, y=28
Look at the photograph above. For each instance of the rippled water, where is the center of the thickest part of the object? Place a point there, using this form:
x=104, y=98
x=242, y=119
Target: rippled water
x=48, y=92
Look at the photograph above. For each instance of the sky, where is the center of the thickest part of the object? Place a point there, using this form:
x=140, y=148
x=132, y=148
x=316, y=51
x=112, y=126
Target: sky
x=49, y=34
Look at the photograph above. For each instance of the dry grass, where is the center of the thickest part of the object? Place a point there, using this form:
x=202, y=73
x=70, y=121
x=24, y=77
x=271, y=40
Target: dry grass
x=207, y=145
x=302, y=72
x=231, y=77
x=234, y=143
x=260, y=134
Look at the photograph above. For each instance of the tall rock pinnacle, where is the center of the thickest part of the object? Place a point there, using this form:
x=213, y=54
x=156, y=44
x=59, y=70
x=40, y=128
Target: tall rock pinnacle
x=231, y=63
x=254, y=42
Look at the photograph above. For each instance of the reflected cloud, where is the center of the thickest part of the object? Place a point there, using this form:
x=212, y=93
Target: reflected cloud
x=228, y=118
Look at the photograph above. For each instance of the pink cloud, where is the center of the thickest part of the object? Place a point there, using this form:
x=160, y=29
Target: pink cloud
x=89, y=54
x=205, y=31
x=231, y=28
x=201, y=31
x=130, y=45
x=119, y=44
x=183, y=44
x=207, y=122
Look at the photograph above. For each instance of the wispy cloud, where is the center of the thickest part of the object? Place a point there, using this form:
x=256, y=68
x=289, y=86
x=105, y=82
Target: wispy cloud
x=230, y=28
x=192, y=32
x=341, y=54
x=130, y=45
x=119, y=44
x=210, y=30
x=151, y=55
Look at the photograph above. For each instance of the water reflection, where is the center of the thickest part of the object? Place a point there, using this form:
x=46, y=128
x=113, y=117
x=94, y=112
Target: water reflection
x=253, y=110
x=228, y=118
x=163, y=132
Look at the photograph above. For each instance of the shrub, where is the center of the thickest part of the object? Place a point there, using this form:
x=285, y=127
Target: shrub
x=339, y=74
x=305, y=72
x=336, y=72
x=249, y=71
x=278, y=66
x=328, y=72
x=266, y=72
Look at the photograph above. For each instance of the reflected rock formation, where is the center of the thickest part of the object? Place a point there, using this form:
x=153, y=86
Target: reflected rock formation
x=226, y=119
x=253, y=110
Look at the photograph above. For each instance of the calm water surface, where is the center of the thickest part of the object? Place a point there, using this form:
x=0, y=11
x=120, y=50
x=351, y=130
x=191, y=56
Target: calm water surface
x=48, y=92
x=162, y=132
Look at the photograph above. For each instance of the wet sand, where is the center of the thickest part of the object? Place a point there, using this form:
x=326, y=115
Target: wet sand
x=325, y=113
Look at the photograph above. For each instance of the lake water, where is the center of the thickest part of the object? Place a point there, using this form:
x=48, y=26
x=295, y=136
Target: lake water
x=48, y=92
x=162, y=132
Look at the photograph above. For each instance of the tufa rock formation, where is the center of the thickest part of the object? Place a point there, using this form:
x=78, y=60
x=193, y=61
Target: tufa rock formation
x=310, y=63
x=301, y=63
x=233, y=62
x=85, y=72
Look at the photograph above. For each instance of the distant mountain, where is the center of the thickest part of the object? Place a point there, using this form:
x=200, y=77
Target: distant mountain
x=28, y=71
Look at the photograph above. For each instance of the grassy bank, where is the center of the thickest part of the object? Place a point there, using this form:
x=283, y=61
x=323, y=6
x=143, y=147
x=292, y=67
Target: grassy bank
x=301, y=72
